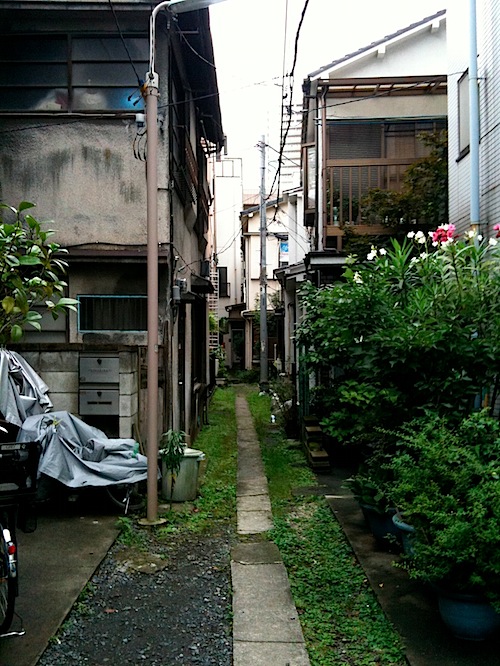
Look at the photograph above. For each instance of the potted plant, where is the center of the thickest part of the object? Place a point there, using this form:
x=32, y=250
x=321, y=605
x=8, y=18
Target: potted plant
x=180, y=467
x=446, y=483
x=173, y=446
x=370, y=488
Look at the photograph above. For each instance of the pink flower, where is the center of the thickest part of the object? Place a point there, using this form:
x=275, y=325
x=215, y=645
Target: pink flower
x=443, y=233
x=496, y=228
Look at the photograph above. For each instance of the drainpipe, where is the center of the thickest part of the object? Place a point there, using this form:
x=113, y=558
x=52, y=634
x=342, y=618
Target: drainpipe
x=263, y=270
x=473, y=117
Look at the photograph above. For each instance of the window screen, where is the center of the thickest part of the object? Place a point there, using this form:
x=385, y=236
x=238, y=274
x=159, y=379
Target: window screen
x=112, y=313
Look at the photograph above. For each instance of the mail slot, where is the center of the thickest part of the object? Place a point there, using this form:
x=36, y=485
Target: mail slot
x=99, y=369
x=99, y=402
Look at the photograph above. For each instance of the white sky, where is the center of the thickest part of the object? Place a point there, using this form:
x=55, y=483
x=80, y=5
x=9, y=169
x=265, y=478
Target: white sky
x=254, y=45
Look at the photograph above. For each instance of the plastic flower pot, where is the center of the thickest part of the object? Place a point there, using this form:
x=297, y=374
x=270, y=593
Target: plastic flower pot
x=185, y=487
x=468, y=616
x=406, y=534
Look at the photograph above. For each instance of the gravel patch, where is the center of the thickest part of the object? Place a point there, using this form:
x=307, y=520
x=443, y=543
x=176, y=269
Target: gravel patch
x=165, y=605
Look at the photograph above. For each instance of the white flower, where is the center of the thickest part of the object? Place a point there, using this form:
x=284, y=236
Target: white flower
x=372, y=255
x=435, y=244
x=357, y=278
x=420, y=239
x=410, y=234
x=470, y=233
x=493, y=241
x=423, y=255
x=382, y=251
x=479, y=237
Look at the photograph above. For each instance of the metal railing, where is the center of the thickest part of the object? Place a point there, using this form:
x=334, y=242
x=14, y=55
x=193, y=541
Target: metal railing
x=347, y=182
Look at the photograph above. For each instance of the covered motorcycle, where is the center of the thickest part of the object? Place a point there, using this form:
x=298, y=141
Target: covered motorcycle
x=79, y=455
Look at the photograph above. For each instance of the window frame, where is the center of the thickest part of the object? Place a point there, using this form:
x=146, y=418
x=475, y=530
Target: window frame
x=62, y=98
x=463, y=109
x=125, y=299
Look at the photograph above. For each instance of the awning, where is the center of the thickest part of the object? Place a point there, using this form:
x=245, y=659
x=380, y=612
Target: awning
x=201, y=285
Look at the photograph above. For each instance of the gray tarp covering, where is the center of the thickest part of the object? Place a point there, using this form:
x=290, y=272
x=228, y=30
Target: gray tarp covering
x=79, y=455
x=22, y=392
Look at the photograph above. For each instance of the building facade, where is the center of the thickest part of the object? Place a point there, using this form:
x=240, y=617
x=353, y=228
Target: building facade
x=73, y=141
x=474, y=170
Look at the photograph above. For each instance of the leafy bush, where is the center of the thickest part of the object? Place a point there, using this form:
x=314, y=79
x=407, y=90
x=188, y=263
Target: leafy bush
x=446, y=482
x=30, y=273
x=410, y=328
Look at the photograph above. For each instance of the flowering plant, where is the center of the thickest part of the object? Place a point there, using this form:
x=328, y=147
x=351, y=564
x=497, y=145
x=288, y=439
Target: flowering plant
x=416, y=326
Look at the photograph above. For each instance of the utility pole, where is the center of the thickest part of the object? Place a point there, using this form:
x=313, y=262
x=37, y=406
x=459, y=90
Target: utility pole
x=263, y=271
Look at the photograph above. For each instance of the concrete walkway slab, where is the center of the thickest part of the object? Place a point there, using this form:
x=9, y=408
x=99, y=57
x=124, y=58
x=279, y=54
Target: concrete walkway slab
x=263, y=608
x=264, y=654
x=266, y=625
x=254, y=522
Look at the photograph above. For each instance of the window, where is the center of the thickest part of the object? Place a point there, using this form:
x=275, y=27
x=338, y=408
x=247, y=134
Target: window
x=283, y=253
x=463, y=115
x=71, y=73
x=310, y=177
x=224, y=286
x=112, y=313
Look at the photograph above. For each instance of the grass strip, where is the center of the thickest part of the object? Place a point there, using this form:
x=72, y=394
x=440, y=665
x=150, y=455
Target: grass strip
x=341, y=618
x=216, y=502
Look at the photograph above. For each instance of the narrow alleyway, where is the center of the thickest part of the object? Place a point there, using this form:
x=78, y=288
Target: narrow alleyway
x=266, y=627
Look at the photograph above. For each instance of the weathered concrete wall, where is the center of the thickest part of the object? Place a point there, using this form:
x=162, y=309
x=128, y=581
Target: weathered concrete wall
x=81, y=174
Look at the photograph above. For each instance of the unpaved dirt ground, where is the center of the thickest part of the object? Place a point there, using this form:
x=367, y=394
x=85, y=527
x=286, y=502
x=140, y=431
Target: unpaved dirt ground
x=167, y=604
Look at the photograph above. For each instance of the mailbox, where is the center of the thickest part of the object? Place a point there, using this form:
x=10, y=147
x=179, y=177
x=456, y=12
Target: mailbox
x=99, y=370
x=99, y=402
x=99, y=385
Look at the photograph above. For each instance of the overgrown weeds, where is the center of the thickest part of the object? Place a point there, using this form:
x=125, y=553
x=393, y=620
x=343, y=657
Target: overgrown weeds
x=215, y=506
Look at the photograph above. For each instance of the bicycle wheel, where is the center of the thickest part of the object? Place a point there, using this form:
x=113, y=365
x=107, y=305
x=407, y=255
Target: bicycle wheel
x=126, y=496
x=7, y=586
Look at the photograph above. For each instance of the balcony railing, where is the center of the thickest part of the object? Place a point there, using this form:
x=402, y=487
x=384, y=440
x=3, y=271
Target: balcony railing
x=346, y=184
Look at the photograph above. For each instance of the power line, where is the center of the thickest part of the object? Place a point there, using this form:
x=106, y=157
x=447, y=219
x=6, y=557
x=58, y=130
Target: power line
x=291, y=75
x=139, y=81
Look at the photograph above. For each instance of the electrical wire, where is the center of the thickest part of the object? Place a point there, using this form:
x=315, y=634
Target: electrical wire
x=140, y=145
x=284, y=134
x=127, y=115
x=184, y=38
x=139, y=81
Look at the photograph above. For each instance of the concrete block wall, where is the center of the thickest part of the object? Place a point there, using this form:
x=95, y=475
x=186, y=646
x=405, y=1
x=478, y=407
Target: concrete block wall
x=129, y=394
x=60, y=371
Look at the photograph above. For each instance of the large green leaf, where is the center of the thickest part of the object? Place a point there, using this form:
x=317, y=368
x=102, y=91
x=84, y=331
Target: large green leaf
x=24, y=205
x=16, y=333
x=29, y=260
x=8, y=304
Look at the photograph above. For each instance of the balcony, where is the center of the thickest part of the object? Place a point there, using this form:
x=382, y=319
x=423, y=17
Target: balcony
x=350, y=181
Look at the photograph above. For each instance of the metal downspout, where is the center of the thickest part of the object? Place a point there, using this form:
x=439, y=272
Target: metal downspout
x=473, y=117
